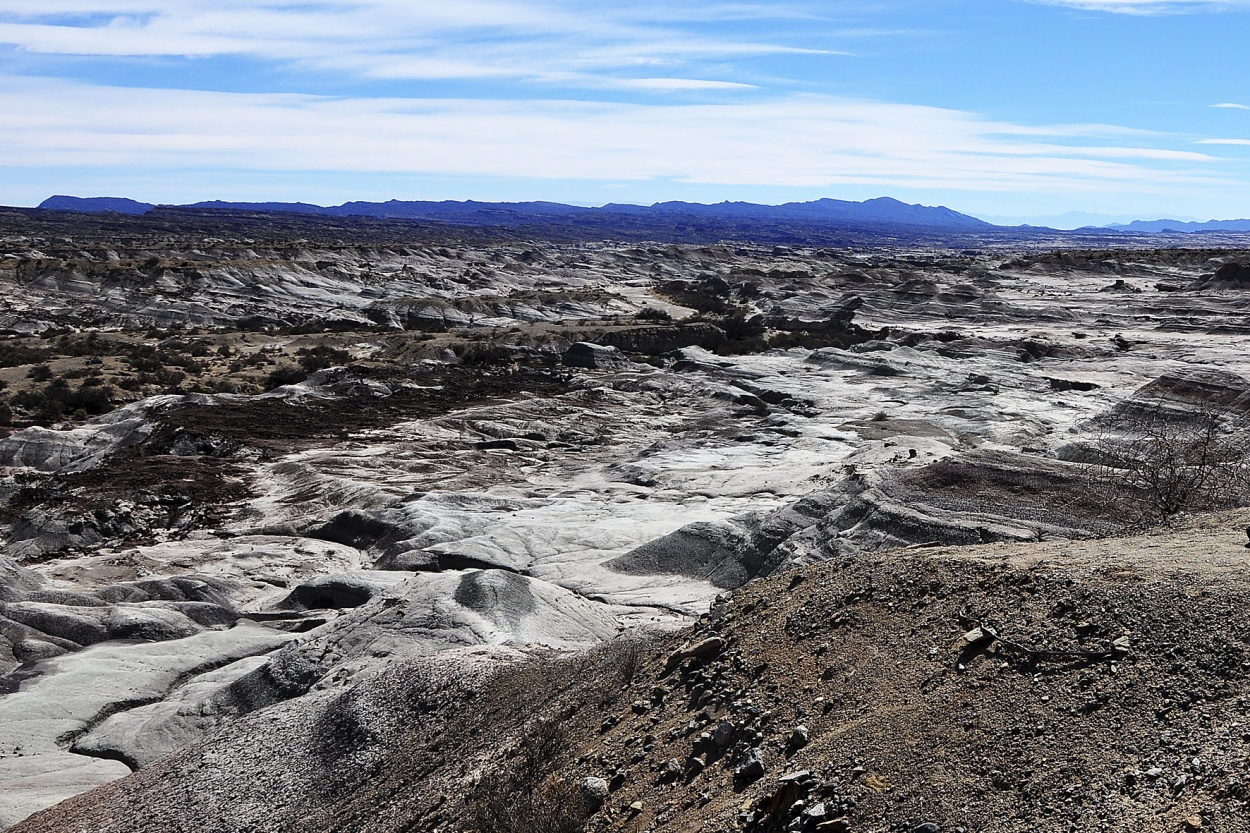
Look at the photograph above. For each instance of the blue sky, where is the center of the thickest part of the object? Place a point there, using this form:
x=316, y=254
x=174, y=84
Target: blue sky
x=1001, y=108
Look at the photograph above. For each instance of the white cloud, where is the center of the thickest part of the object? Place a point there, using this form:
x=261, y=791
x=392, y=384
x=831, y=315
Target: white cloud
x=536, y=40
x=1150, y=7
x=798, y=141
x=1230, y=106
x=676, y=84
x=1224, y=142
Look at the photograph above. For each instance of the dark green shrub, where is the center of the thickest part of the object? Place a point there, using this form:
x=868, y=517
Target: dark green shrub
x=287, y=374
x=322, y=356
x=483, y=355
x=16, y=355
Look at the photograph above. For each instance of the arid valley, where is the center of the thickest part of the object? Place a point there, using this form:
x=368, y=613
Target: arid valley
x=358, y=525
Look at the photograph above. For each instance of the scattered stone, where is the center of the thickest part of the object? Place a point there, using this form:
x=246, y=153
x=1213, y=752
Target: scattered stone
x=751, y=769
x=594, y=792
x=699, y=650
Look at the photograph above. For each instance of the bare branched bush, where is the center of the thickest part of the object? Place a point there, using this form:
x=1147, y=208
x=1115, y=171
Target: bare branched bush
x=1154, y=462
x=497, y=806
x=621, y=660
x=529, y=789
x=626, y=656
x=524, y=795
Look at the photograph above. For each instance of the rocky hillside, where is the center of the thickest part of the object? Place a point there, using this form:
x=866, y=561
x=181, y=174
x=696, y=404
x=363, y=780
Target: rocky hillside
x=1067, y=686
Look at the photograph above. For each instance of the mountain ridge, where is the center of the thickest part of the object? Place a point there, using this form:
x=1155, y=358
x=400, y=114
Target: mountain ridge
x=1155, y=226
x=878, y=211
x=881, y=210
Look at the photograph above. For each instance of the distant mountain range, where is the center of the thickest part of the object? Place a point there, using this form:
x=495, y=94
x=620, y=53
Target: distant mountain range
x=96, y=205
x=883, y=211
x=1156, y=226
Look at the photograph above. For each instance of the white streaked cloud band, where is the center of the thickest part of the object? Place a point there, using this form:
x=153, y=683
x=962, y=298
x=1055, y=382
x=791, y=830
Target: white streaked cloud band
x=1151, y=7
x=827, y=140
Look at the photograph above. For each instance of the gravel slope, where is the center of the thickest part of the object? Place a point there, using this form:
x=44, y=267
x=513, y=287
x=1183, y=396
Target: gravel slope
x=1016, y=687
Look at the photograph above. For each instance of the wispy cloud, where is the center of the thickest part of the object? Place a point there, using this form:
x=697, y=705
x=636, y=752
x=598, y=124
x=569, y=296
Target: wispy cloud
x=1244, y=142
x=827, y=141
x=670, y=94
x=1151, y=7
x=556, y=41
x=676, y=84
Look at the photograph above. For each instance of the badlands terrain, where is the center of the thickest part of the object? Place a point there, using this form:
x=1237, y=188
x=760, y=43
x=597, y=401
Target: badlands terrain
x=344, y=524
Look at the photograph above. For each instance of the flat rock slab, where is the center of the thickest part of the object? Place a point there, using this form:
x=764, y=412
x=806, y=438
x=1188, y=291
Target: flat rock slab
x=146, y=734
x=73, y=692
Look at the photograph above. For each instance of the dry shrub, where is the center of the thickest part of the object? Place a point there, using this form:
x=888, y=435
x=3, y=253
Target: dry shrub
x=1155, y=463
x=524, y=794
x=524, y=791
